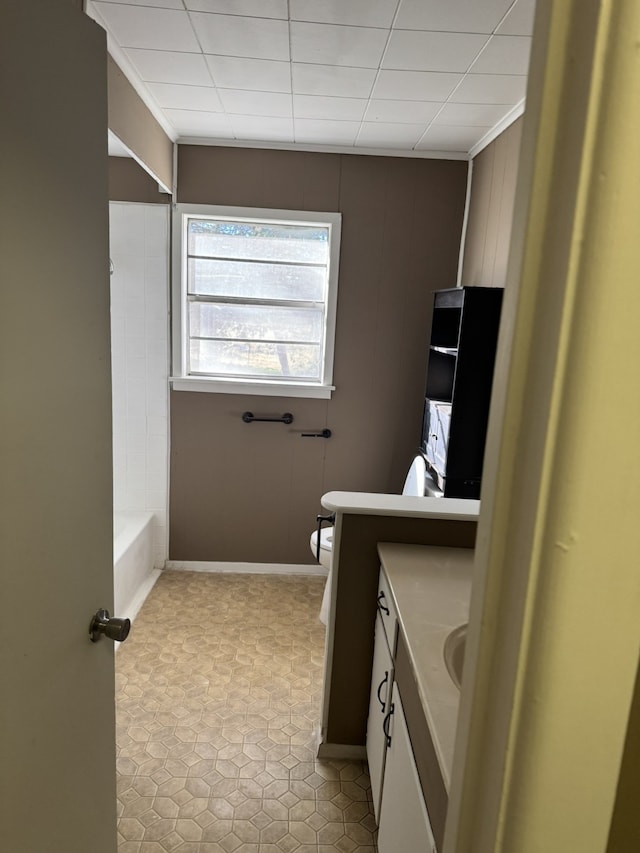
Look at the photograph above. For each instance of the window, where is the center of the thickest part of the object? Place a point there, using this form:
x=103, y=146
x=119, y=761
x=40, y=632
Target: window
x=254, y=300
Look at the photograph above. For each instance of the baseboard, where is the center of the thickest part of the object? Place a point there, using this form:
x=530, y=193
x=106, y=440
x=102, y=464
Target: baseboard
x=247, y=568
x=342, y=752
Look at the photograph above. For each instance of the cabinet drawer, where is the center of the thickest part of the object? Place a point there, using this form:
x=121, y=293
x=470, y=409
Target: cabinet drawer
x=387, y=611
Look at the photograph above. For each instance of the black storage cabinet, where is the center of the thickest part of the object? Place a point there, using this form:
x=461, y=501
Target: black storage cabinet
x=462, y=349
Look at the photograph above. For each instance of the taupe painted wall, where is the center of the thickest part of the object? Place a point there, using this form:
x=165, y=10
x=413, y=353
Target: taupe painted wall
x=134, y=125
x=493, y=190
x=128, y=181
x=250, y=492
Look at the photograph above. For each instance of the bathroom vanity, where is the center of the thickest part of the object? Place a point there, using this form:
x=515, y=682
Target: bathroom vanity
x=362, y=521
x=423, y=598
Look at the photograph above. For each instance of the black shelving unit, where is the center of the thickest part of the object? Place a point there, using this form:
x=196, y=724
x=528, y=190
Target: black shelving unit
x=464, y=334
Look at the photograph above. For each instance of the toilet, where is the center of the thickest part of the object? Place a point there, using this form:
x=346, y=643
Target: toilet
x=418, y=483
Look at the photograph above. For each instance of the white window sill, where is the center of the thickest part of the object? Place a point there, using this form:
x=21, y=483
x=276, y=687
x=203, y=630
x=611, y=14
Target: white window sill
x=265, y=389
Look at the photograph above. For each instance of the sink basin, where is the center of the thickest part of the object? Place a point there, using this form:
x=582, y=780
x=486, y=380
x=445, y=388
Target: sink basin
x=453, y=652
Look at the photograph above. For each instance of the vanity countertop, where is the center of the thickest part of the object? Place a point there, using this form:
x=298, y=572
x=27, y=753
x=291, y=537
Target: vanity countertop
x=372, y=503
x=431, y=589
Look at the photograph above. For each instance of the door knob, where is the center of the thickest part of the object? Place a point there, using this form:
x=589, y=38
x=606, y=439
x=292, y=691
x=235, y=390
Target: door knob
x=110, y=626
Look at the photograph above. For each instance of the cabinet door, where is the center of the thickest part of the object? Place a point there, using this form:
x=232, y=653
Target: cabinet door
x=403, y=824
x=381, y=680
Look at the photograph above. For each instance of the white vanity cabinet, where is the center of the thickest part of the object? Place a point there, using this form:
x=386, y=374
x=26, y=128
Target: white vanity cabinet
x=403, y=822
x=379, y=703
x=423, y=594
x=384, y=649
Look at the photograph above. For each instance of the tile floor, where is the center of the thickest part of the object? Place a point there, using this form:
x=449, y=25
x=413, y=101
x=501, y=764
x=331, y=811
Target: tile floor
x=218, y=695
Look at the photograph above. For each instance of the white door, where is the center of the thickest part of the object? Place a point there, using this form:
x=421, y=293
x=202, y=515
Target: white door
x=57, y=761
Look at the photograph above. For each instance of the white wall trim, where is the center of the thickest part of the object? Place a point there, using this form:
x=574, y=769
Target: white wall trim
x=465, y=224
x=246, y=568
x=513, y=115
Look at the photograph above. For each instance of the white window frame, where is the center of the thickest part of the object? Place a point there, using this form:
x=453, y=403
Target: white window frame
x=288, y=387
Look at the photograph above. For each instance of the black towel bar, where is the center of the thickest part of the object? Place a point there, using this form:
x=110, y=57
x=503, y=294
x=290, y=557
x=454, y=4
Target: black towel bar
x=326, y=433
x=249, y=417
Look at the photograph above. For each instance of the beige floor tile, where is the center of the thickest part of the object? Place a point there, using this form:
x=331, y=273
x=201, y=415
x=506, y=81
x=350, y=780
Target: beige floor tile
x=218, y=696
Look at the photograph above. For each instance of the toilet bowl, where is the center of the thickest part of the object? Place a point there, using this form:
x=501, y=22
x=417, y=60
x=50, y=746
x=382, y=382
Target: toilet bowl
x=326, y=543
x=418, y=483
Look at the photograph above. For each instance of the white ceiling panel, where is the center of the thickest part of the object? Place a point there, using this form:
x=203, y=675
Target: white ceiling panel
x=504, y=55
x=231, y=72
x=422, y=51
x=244, y=102
x=415, y=85
x=490, y=89
x=250, y=8
x=404, y=112
x=387, y=135
x=163, y=66
x=163, y=4
x=230, y=35
x=402, y=76
x=361, y=13
x=205, y=125
x=454, y=16
x=519, y=20
x=335, y=109
x=471, y=115
x=262, y=128
x=319, y=132
x=439, y=137
x=142, y=26
x=326, y=44
x=332, y=80
x=171, y=96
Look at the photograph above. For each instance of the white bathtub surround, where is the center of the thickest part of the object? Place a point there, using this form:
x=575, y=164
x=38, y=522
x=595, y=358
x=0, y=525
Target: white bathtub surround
x=139, y=250
x=133, y=571
x=247, y=568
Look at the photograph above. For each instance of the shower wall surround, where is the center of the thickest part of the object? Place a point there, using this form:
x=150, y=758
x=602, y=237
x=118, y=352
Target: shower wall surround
x=139, y=249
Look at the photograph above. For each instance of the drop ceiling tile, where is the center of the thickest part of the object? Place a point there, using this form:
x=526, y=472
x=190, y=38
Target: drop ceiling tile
x=519, y=20
x=332, y=80
x=231, y=72
x=388, y=135
x=164, y=66
x=326, y=132
x=422, y=51
x=206, y=125
x=201, y=98
x=243, y=102
x=454, y=16
x=442, y=138
x=230, y=35
x=415, y=85
x=404, y=112
x=471, y=115
x=251, y=8
x=335, y=109
x=157, y=29
x=504, y=55
x=262, y=128
x=164, y=4
x=490, y=89
x=362, y=13
x=327, y=44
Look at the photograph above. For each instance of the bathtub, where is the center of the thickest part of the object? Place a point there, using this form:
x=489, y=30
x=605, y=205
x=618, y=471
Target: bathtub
x=133, y=572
